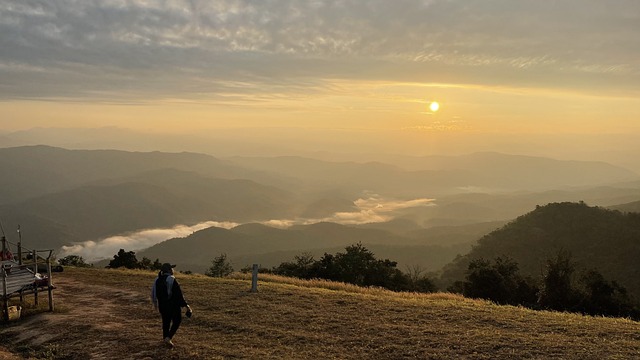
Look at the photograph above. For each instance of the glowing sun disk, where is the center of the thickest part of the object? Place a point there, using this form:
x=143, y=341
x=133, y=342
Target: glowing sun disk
x=434, y=106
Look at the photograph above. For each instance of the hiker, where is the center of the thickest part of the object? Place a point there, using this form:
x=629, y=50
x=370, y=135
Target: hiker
x=167, y=298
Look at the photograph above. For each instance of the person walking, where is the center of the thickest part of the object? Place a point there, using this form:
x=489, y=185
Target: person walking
x=167, y=298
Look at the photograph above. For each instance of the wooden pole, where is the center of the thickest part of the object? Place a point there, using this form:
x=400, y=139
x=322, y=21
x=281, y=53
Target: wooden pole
x=20, y=259
x=19, y=246
x=49, y=285
x=5, y=298
x=35, y=270
x=254, y=279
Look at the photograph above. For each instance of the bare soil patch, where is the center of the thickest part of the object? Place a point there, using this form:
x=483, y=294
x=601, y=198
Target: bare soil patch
x=90, y=322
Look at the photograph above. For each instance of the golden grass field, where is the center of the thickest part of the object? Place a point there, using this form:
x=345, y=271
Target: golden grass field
x=106, y=314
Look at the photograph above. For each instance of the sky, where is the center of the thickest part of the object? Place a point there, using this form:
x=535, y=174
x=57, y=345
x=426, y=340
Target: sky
x=495, y=66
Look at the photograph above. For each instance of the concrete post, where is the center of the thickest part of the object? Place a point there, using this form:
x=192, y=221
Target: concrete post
x=254, y=279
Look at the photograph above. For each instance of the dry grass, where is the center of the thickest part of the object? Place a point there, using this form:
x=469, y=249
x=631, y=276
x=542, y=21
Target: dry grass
x=297, y=319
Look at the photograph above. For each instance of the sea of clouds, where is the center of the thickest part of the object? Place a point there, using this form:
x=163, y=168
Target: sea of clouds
x=373, y=209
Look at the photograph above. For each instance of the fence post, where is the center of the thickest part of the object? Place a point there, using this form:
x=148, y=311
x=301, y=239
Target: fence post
x=35, y=270
x=5, y=297
x=254, y=279
x=49, y=284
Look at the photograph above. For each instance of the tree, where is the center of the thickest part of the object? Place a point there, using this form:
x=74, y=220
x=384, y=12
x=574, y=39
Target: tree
x=557, y=292
x=125, y=259
x=357, y=265
x=300, y=267
x=499, y=281
x=220, y=267
x=145, y=263
x=601, y=297
x=418, y=281
x=73, y=260
x=157, y=265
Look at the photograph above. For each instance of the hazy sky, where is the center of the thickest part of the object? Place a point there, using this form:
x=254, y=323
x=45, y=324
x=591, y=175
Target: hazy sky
x=513, y=66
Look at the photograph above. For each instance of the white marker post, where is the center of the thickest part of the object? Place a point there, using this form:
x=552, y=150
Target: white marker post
x=254, y=279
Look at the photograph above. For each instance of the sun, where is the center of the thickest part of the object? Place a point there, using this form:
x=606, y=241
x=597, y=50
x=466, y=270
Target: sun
x=434, y=106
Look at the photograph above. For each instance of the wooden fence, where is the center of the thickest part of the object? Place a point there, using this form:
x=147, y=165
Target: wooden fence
x=18, y=274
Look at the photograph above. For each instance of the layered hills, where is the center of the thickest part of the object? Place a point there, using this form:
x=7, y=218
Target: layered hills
x=268, y=246
x=61, y=197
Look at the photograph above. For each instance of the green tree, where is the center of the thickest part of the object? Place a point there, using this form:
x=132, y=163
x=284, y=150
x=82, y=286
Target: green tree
x=601, y=297
x=146, y=263
x=557, y=292
x=126, y=259
x=157, y=265
x=301, y=267
x=499, y=281
x=357, y=265
x=220, y=267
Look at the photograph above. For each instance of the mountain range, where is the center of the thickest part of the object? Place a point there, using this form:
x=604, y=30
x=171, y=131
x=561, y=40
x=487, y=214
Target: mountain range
x=61, y=197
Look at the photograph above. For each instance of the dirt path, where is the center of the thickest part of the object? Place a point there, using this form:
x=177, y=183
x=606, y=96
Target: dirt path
x=90, y=322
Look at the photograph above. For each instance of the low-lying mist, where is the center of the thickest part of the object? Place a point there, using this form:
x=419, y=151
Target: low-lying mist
x=373, y=209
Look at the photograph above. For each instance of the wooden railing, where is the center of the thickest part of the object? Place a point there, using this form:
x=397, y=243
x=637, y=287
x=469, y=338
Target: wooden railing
x=17, y=272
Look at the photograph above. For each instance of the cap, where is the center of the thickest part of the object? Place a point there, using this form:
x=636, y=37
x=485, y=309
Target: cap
x=166, y=267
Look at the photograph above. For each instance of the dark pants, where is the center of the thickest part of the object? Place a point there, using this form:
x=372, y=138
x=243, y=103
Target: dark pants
x=171, y=319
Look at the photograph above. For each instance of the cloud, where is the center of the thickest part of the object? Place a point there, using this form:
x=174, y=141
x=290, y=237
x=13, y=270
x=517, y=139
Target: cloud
x=372, y=209
x=105, y=248
x=376, y=209
x=212, y=49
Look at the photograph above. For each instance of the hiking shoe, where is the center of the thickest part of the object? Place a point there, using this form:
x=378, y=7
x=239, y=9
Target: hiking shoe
x=168, y=342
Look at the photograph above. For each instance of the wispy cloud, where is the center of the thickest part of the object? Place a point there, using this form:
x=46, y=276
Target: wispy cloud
x=157, y=49
x=372, y=209
x=105, y=248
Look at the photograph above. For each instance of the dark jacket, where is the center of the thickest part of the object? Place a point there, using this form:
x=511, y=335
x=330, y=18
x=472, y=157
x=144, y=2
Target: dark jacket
x=167, y=293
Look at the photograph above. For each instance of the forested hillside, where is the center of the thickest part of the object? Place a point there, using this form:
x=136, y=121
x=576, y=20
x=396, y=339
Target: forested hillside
x=605, y=240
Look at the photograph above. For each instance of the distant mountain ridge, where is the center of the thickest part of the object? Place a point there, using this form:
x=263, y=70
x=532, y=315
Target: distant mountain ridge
x=486, y=171
x=31, y=171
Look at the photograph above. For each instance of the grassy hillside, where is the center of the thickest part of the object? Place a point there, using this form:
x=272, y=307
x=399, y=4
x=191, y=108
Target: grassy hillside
x=606, y=240
x=106, y=315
